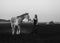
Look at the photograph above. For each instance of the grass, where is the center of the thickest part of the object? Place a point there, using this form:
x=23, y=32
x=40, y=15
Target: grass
x=43, y=34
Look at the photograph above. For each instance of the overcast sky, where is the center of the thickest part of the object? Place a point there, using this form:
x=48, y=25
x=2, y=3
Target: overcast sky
x=46, y=10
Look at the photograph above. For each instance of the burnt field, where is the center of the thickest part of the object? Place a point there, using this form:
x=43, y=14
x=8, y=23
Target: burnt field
x=42, y=34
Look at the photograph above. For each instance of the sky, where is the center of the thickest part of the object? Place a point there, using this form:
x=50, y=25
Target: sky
x=47, y=10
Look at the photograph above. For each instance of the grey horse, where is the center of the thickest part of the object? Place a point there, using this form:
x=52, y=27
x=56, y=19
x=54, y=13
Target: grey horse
x=15, y=21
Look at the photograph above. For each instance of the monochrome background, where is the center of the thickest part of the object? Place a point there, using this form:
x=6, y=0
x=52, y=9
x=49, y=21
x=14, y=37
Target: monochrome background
x=47, y=10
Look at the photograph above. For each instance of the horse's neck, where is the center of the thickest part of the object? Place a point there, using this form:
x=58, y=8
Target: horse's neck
x=20, y=18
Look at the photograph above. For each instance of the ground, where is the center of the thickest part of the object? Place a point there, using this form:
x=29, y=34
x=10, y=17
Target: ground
x=43, y=34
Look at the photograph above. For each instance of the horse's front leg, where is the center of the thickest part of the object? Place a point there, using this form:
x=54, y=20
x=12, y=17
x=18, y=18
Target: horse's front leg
x=18, y=30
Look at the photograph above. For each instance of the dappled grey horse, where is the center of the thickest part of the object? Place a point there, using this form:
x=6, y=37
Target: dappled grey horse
x=15, y=21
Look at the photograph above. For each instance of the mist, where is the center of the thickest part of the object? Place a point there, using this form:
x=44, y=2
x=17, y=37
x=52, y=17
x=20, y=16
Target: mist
x=47, y=10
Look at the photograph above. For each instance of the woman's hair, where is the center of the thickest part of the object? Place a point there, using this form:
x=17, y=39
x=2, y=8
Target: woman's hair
x=35, y=15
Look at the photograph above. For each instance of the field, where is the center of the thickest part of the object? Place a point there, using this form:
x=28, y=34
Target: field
x=43, y=33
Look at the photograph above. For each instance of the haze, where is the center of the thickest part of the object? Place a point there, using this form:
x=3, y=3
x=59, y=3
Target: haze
x=47, y=10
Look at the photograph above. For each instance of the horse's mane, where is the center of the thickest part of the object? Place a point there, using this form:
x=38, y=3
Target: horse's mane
x=22, y=15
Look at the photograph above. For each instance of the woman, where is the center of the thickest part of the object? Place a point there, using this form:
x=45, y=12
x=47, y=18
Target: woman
x=35, y=23
x=35, y=20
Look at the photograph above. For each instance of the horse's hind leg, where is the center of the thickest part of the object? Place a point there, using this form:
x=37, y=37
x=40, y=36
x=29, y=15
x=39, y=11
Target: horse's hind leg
x=12, y=30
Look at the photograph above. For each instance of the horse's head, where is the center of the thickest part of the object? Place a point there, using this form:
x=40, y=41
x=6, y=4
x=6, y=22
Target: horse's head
x=23, y=16
x=26, y=15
